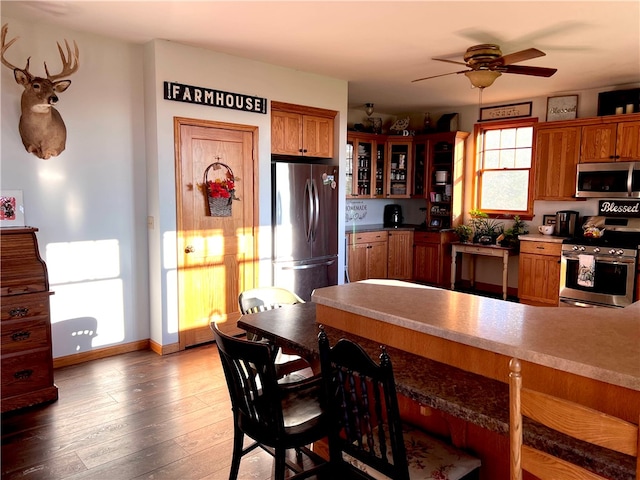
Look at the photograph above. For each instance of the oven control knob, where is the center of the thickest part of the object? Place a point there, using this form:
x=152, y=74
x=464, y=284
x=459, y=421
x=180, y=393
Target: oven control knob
x=612, y=251
x=581, y=248
x=620, y=252
x=575, y=247
x=596, y=250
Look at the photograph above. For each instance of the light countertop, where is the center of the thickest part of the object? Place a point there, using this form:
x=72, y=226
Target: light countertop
x=538, y=237
x=598, y=343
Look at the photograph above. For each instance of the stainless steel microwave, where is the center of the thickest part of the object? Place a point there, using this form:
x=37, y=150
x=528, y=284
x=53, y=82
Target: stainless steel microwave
x=608, y=180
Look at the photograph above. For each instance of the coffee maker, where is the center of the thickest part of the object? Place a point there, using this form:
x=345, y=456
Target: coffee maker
x=566, y=222
x=392, y=216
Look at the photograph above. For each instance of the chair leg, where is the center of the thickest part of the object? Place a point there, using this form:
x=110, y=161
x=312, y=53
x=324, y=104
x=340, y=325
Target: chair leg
x=280, y=463
x=238, y=441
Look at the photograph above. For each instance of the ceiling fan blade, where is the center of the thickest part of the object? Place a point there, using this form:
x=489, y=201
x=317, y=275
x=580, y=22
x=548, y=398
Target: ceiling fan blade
x=449, y=61
x=525, y=70
x=436, y=76
x=520, y=56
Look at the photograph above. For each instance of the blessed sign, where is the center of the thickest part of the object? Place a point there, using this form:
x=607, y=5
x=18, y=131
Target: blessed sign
x=619, y=208
x=214, y=98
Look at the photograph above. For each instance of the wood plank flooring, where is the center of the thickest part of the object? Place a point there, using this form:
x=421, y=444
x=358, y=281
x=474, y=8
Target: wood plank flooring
x=133, y=416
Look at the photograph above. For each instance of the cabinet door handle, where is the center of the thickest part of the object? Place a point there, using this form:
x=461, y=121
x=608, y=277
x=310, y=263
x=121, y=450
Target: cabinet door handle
x=20, y=336
x=18, y=312
x=23, y=374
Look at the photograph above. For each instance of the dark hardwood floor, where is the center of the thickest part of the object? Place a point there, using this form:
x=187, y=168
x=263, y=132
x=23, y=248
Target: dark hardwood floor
x=132, y=416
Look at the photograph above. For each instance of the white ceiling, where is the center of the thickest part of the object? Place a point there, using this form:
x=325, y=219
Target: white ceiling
x=378, y=46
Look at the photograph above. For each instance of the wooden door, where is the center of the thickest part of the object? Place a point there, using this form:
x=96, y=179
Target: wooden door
x=400, y=264
x=357, y=266
x=286, y=133
x=216, y=258
x=377, y=260
x=317, y=136
x=557, y=155
x=426, y=258
x=598, y=143
x=628, y=142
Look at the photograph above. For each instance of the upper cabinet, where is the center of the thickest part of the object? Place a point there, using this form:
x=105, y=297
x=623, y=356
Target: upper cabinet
x=398, y=171
x=556, y=158
x=365, y=165
x=613, y=139
x=301, y=131
x=438, y=176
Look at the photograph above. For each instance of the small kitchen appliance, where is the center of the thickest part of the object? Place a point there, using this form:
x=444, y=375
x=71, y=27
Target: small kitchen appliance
x=566, y=222
x=392, y=216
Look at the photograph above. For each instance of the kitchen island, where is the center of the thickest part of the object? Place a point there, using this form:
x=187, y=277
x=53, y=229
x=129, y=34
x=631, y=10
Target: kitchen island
x=450, y=352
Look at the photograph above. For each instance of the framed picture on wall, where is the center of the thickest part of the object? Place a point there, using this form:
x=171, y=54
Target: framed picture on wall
x=435, y=222
x=548, y=219
x=11, y=208
x=562, y=108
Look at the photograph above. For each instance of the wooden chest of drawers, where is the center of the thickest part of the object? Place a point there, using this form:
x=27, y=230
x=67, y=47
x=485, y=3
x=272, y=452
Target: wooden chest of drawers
x=25, y=325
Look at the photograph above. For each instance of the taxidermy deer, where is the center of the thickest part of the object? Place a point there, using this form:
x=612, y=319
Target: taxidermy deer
x=41, y=127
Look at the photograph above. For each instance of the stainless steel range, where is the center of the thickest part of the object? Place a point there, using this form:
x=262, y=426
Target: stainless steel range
x=601, y=271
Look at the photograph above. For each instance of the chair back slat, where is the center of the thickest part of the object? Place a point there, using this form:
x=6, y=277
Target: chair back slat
x=569, y=418
x=362, y=397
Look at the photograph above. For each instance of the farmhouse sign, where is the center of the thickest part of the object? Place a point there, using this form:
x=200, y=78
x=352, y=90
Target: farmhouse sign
x=214, y=98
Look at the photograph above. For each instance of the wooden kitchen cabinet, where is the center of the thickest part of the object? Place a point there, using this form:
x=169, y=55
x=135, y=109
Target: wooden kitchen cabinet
x=25, y=325
x=539, y=272
x=556, y=158
x=400, y=260
x=432, y=258
x=398, y=168
x=367, y=255
x=611, y=140
x=301, y=131
x=365, y=165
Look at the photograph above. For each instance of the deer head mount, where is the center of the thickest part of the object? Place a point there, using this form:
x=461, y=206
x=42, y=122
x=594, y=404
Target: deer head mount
x=41, y=127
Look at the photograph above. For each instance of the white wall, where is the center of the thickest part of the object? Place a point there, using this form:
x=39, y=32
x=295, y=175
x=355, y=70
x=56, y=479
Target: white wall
x=113, y=277
x=192, y=66
x=89, y=203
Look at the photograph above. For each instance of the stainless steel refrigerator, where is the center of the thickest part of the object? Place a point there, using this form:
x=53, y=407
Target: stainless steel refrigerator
x=304, y=225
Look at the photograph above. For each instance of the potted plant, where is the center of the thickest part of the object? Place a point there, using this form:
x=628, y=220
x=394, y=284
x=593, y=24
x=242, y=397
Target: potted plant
x=510, y=236
x=464, y=232
x=485, y=230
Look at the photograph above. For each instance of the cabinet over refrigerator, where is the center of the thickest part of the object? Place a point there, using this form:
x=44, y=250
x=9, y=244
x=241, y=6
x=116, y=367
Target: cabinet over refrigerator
x=304, y=225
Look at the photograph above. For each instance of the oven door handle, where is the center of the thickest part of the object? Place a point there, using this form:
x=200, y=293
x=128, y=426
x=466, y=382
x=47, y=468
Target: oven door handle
x=603, y=259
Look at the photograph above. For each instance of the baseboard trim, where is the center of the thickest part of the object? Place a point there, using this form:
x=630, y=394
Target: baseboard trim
x=83, y=357
x=164, y=349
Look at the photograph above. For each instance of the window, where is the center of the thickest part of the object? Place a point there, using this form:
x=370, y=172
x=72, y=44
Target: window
x=503, y=168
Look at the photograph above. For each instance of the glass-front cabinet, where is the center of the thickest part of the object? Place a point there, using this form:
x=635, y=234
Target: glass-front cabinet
x=399, y=167
x=445, y=174
x=365, y=166
x=420, y=178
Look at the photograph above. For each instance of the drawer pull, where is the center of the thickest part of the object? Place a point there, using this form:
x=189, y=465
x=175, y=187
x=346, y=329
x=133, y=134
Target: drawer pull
x=18, y=312
x=20, y=336
x=23, y=374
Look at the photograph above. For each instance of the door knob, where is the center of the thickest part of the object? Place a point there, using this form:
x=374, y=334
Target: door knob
x=189, y=249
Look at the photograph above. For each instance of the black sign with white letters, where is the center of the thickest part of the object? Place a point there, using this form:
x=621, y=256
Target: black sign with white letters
x=619, y=208
x=214, y=98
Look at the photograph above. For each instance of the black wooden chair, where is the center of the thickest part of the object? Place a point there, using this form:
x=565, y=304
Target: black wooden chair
x=261, y=299
x=367, y=437
x=276, y=417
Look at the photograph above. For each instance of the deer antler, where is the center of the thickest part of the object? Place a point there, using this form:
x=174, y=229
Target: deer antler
x=5, y=46
x=70, y=63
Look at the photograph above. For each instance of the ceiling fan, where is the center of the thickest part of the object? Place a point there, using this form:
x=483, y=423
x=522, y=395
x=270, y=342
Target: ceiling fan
x=486, y=63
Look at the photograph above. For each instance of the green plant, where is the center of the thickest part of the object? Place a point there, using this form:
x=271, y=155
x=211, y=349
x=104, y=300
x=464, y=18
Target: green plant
x=484, y=226
x=464, y=232
x=510, y=235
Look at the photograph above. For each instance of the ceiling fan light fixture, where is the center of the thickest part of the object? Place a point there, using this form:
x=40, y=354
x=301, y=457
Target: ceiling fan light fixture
x=368, y=108
x=482, y=78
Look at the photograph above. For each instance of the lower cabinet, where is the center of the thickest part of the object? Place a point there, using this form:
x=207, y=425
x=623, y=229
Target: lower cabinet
x=539, y=272
x=432, y=258
x=367, y=255
x=400, y=260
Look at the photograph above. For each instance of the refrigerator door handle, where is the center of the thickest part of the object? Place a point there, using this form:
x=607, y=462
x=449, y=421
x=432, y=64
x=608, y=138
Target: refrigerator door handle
x=316, y=208
x=307, y=266
x=308, y=219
